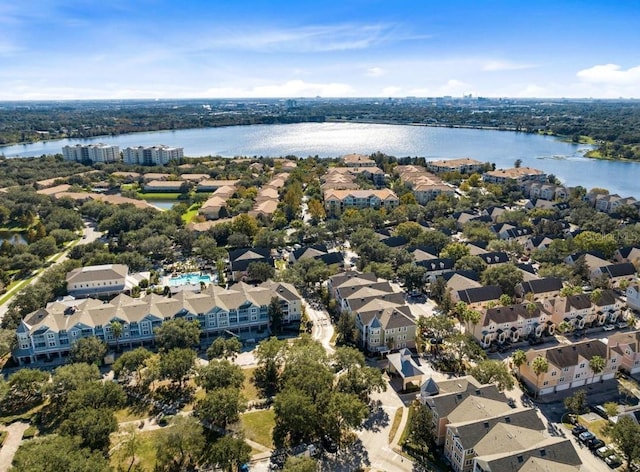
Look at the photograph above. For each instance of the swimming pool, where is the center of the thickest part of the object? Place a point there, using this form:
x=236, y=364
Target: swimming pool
x=189, y=279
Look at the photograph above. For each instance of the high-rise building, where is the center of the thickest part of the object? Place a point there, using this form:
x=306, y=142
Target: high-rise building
x=91, y=152
x=151, y=155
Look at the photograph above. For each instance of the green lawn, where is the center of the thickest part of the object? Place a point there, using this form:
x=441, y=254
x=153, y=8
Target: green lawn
x=128, y=414
x=248, y=388
x=191, y=213
x=258, y=426
x=145, y=451
x=159, y=196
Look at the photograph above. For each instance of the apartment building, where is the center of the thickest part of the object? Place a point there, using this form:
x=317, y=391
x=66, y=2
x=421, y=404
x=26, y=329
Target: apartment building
x=585, y=310
x=517, y=174
x=243, y=310
x=627, y=346
x=424, y=185
x=91, y=152
x=159, y=155
x=336, y=201
x=358, y=160
x=463, y=165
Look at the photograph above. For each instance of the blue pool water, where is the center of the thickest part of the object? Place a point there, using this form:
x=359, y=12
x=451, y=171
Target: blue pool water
x=189, y=279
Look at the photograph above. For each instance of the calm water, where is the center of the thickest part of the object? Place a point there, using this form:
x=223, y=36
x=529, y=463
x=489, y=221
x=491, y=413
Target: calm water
x=335, y=139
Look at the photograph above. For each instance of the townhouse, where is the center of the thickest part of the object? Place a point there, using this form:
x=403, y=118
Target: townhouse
x=618, y=275
x=477, y=297
x=513, y=323
x=556, y=454
x=633, y=296
x=627, y=346
x=584, y=310
x=242, y=310
x=568, y=366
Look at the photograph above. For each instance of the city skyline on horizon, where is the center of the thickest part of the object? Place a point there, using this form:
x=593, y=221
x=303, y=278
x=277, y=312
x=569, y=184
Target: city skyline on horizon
x=156, y=49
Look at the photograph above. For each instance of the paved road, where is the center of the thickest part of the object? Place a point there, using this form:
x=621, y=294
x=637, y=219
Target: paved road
x=11, y=444
x=322, y=328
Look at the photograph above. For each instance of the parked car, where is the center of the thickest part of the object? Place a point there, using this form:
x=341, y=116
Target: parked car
x=622, y=325
x=586, y=437
x=613, y=461
x=595, y=444
x=578, y=430
x=604, y=451
x=608, y=327
x=599, y=410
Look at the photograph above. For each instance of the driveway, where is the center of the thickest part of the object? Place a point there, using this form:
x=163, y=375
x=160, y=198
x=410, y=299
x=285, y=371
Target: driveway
x=11, y=444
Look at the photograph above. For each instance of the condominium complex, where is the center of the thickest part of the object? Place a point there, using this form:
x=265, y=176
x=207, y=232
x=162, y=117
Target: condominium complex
x=91, y=152
x=242, y=310
x=151, y=155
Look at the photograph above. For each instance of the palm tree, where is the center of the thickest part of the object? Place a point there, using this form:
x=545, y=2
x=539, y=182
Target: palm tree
x=518, y=358
x=597, y=365
x=540, y=365
x=116, y=329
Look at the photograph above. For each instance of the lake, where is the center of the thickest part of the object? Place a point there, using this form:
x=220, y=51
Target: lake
x=564, y=160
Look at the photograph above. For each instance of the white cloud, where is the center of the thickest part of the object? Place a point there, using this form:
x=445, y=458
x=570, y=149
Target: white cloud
x=499, y=66
x=375, y=72
x=611, y=74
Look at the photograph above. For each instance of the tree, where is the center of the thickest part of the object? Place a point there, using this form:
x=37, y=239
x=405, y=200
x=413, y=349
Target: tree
x=518, y=358
x=276, y=315
x=301, y=464
x=177, y=333
x=455, y=251
x=260, y=271
x=90, y=350
x=597, y=365
x=576, y=403
x=68, y=378
x=130, y=362
x=412, y=276
x=316, y=210
x=626, y=434
x=116, y=330
x=506, y=276
x=221, y=407
x=421, y=426
x=223, y=347
x=245, y=224
x=346, y=330
x=53, y=453
x=180, y=446
x=176, y=364
x=92, y=425
x=270, y=357
x=26, y=387
x=8, y=341
x=540, y=366
x=228, y=453
x=95, y=395
x=219, y=374
x=295, y=417
x=490, y=371
x=517, y=163
x=473, y=263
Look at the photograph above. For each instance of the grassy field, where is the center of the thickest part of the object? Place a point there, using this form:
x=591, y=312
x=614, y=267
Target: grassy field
x=248, y=388
x=191, y=213
x=145, y=452
x=127, y=414
x=258, y=426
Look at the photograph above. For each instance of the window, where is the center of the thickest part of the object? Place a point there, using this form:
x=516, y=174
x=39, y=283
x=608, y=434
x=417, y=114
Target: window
x=582, y=365
x=553, y=374
x=577, y=376
x=546, y=382
x=561, y=379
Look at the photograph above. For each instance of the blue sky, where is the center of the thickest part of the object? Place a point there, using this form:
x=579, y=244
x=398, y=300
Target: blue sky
x=82, y=49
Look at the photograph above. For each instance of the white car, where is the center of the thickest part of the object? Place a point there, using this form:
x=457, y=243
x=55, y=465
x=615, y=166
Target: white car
x=608, y=327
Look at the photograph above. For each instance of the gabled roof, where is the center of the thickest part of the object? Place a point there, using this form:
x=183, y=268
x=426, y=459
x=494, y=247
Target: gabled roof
x=511, y=313
x=619, y=270
x=444, y=404
x=404, y=364
x=437, y=264
x=241, y=258
x=351, y=279
x=97, y=273
x=567, y=356
x=480, y=294
x=553, y=454
x=546, y=285
x=494, y=257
